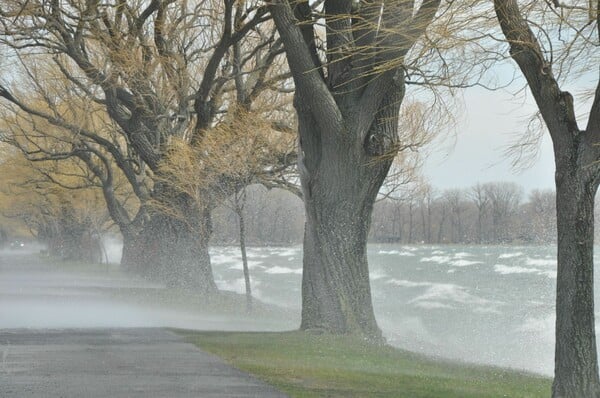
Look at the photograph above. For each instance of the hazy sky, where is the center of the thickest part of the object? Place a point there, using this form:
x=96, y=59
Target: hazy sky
x=491, y=122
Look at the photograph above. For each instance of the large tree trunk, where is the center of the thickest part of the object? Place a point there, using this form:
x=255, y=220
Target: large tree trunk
x=348, y=124
x=576, y=364
x=177, y=250
x=172, y=247
x=340, y=182
x=577, y=173
x=336, y=295
x=479, y=226
x=132, y=256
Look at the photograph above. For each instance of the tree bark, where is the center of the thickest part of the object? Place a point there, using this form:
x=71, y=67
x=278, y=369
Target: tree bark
x=410, y=223
x=336, y=294
x=340, y=181
x=132, y=257
x=441, y=228
x=577, y=174
x=576, y=364
x=479, y=226
x=173, y=248
x=177, y=250
x=245, y=261
x=240, y=201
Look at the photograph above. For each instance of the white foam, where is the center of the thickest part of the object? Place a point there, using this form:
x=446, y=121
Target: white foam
x=288, y=252
x=457, y=261
x=251, y=265
x=449, y=293
x=464, y=263
x=397, y=252
x=256, y=254
x=406, y=253
x=405, y=283
x=511, y=255
x=462, y=255
x=436, y=259
x=219, y=259
x=506, y=270
x=283, y=270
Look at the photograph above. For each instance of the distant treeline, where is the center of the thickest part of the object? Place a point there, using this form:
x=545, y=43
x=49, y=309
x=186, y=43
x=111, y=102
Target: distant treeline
x=490, y=213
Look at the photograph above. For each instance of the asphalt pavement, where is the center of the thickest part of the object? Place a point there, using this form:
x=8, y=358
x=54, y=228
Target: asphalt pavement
x=139, y=362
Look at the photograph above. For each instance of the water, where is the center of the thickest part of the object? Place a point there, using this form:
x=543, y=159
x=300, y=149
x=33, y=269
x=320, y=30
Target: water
x=484, y=304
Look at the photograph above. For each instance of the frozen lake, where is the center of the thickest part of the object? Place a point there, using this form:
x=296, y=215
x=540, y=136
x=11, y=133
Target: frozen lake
x=485, y=304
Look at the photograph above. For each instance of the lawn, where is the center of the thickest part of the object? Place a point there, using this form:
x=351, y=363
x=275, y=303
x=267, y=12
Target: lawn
x=308, y=365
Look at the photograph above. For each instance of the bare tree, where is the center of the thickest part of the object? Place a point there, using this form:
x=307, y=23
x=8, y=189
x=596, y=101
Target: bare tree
x=481, y=201
x=550, y=42
x=239, y=201
x=504, y=200
x=542, y=215
x=456, y=205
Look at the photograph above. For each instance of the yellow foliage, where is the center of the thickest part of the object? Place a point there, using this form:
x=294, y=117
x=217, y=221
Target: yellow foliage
x=36, y=193
x=240, y=150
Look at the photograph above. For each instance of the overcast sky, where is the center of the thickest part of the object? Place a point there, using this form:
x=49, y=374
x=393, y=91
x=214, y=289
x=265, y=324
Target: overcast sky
x=491, y=122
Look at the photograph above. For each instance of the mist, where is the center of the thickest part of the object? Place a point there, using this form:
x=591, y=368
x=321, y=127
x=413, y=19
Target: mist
x=483, y=304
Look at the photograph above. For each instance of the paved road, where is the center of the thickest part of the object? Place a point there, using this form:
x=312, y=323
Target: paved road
x=89, y=363
x=63, y=335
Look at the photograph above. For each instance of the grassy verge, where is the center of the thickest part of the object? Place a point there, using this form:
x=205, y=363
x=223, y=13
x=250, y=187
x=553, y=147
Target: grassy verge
x=305, y=365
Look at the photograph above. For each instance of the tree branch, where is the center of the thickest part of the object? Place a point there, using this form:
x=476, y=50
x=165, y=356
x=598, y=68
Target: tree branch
x=309, y=82
x=556, y=107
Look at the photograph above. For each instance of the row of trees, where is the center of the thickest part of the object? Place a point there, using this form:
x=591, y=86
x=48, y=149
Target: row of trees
x=129, y=92
x=490, y=213
x=156, y=99
x=493, y=213
x=61, y=209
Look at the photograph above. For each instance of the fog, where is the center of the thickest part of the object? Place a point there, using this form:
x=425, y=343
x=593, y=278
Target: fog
x=485, y=304
x=35, y=294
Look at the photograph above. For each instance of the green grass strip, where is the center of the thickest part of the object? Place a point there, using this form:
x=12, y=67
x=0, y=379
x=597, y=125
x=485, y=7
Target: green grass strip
x=308, y=365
